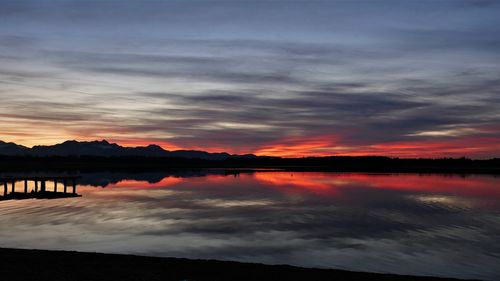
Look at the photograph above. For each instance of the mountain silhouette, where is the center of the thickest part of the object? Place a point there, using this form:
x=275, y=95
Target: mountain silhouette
x=12, y=149
x=105, y=149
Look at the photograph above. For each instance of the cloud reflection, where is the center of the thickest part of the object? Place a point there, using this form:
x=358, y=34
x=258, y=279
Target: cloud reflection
x=442, y=225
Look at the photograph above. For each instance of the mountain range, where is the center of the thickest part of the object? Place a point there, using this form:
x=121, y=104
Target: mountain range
x=105, y=149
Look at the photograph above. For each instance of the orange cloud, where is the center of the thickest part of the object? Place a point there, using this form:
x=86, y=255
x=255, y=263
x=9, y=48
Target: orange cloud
x=327, y=145
x=301, y=146
x=479, y=147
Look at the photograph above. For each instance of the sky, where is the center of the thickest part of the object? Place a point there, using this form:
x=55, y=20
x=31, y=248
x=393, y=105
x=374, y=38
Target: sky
x=284, y=78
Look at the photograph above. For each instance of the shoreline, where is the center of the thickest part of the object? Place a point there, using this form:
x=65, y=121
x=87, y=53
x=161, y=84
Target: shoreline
x=323, y=164
x=26, y=265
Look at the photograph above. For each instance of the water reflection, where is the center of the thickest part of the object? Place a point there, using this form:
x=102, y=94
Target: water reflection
x=400, y=223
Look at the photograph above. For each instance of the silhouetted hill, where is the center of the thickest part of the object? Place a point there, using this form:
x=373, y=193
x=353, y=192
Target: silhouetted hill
x=103, y=156
x=105, y=149
x=334, y=163
x=12, y=149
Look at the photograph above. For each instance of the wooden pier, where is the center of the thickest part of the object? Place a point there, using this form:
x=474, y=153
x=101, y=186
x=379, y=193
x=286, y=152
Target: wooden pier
x=40, y=189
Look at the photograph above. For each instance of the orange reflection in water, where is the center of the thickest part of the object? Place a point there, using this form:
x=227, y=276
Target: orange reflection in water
x=477, y=186
x=322, y=183
x=210, y=180
x=333, y=184
x=165, y=182
x=330, y=183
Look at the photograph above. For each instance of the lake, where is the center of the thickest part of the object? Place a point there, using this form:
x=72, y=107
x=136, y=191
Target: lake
x=442, y=225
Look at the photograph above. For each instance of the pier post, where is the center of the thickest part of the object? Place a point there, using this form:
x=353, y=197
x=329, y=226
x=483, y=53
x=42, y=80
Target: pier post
x=41, y=185
x=74, y=185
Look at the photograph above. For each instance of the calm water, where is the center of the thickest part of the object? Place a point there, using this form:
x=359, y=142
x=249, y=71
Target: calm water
x=398, y=223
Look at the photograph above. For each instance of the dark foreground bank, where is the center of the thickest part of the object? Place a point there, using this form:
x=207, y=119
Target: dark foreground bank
x=59, y=265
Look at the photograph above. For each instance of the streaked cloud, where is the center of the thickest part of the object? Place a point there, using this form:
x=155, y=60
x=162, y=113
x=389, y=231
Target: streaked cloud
x=253, y=77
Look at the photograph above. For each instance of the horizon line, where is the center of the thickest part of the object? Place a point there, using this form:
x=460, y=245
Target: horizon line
x=111, y=142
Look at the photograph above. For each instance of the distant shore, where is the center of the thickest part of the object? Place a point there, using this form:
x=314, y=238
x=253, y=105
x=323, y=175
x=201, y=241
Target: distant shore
x=27, y=265
x=331, y=164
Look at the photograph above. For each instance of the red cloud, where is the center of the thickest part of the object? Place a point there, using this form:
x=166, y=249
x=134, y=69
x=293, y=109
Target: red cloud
x=325, y=145
x=301, y=146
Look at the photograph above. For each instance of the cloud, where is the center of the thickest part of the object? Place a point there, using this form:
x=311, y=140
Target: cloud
x=223, y=81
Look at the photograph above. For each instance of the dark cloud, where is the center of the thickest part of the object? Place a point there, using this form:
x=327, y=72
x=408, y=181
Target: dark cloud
x=241, y=75
x=379, y=116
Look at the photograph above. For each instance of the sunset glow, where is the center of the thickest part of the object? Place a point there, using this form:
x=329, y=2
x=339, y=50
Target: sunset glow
x=417, y=79
x=298, y=139
x=333, y=184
